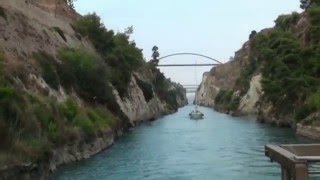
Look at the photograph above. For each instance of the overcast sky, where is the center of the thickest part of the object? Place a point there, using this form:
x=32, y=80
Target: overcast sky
x=216, y=28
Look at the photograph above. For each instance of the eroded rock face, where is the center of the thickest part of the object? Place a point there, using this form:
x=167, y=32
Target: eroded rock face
x=136, y=108
x=79, y=150
x=248, y=104
x=222, y=77
x=207, y=91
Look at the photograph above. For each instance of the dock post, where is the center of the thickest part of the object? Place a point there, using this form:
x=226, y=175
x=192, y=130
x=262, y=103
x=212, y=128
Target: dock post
x=301, y=172
x=285, y=174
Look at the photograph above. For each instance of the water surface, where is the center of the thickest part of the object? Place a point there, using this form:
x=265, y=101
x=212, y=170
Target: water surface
x=177, y=148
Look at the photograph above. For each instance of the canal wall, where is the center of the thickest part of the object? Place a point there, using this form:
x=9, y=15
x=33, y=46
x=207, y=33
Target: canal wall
x=253, y=84
x=48, y=123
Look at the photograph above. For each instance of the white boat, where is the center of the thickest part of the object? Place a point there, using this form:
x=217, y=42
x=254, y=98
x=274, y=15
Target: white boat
x=196, y=114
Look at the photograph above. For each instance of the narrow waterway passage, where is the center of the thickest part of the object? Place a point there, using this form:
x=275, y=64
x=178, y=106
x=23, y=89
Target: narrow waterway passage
x=218, y=147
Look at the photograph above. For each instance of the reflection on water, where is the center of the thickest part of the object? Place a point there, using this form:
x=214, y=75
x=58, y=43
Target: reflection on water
x=175, y=147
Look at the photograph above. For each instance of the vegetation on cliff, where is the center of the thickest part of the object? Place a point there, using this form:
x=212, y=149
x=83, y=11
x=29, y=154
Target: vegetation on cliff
x=120, y=54
x=227, y=100
x=33, y=121
x=289, y=63
x=32, y=124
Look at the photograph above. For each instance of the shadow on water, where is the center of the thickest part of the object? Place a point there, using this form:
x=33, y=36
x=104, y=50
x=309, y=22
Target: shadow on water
x=175, y=147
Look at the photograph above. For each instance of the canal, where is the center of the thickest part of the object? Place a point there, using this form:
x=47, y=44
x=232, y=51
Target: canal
x=177, y=148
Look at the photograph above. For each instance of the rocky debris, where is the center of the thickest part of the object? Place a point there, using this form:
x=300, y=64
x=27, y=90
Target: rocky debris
x=309, y=131
x=310, y=126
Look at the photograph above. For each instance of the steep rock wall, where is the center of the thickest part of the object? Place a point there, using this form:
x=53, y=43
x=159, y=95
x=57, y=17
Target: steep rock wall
x=222, y=77
x=29, y=27
x=137, y=108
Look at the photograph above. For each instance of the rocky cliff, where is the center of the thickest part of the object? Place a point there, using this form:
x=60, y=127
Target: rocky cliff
x=273, y=77
x=65, y=93
x=222, y=77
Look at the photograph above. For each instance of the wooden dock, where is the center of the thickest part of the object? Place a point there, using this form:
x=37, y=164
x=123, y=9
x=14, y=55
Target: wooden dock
x=294, y=159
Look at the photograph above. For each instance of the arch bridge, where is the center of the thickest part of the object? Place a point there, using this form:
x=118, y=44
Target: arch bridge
x=190, y=88
x=216, y=62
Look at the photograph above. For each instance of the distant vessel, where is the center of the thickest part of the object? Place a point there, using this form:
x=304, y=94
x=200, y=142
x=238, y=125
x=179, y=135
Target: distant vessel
x=196, y=114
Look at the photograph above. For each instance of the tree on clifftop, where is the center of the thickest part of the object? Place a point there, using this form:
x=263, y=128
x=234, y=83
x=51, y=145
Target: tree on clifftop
x=305, y=4
x=155, y=53
x=70, y=3
x=129, y=30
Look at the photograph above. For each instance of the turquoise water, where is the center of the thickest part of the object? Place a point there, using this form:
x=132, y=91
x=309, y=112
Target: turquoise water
x=177, y=148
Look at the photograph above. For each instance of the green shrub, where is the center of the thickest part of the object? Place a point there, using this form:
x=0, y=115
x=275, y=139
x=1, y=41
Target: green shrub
x=101, y=118
x=12, y=106
x=90, y=25
x=234, y=103
x=170, y=98
x=313, y=101
x=48, y=70
x=43, y=114
x=119, y=53
x=85, y=73
x=314, y=14
x=284, y=22
x=69, y=109
x=120, y=79
x=290, y=71
x=224, y=96
x=302, y=112
x=53, y=131
x=47, y=119
x=246, y=74
x=225, y=100
x=315, y=34
x=124, y=59
x=280, y=53
x=252, y=34
x=85, y=124
x=61, y=33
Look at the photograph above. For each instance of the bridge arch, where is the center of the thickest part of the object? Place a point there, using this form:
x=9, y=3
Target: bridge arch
x=193, y=54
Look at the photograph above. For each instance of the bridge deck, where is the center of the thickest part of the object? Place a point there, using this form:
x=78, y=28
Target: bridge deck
x=173, y=65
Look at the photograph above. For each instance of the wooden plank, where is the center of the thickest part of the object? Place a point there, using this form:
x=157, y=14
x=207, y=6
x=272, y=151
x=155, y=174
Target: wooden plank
x=308, y=158
x=282, y=156
x=303, y=149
